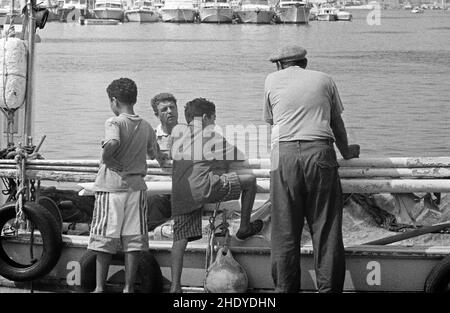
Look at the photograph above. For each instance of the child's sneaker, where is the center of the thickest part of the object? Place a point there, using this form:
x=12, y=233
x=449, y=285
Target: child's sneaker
x=255, y=227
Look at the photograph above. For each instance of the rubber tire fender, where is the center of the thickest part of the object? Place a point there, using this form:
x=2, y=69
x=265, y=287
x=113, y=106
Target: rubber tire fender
x=51, y=237
x=148, y=268
x=439, y=278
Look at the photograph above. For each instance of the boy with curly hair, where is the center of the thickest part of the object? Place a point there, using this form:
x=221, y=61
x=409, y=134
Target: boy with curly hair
x=119, y=217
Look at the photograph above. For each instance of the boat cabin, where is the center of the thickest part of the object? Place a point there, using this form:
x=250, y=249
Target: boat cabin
x=108, y=4
x=255, y=4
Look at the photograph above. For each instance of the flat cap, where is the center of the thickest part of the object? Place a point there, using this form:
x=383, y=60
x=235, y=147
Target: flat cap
x=288, y=53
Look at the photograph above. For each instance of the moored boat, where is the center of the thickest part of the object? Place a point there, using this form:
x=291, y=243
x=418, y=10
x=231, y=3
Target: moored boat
x=417, y=10
x=109, y=9
x=215, y=11
x=142, y=12
x=97, y=21
x=12, y=11
x=72, y=10
x=292, y=11
x=327, y=14
x=178, y=11
x=3, y=16
x=256, y=12
x=343, y=15
x=407, y=6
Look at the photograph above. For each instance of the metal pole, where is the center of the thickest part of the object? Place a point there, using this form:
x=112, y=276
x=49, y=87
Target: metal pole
x=28, y=124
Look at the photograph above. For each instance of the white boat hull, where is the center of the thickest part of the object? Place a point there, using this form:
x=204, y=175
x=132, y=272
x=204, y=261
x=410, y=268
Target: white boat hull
x=216, y=15
x=178, y=15
x=344, y=16
x=256, y=17
x=142, y=16
x=326, y=17
x=296, y=15
x=95, y=21
x=109, y=14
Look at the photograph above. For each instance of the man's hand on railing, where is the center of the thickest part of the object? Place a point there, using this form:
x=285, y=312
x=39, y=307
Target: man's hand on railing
x=162, y=159
x=352, y=152
x=113, y=164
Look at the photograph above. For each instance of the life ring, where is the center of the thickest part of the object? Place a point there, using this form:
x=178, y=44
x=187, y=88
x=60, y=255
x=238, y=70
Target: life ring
x=52, y=207
x=438, y=281
x=51, y=243
x=149, y=272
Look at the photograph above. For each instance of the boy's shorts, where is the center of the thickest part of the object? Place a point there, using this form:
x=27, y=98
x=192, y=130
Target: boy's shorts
x=119, y=222
x=189, y=226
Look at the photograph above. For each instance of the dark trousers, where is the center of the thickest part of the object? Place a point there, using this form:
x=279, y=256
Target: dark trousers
x=305, y=183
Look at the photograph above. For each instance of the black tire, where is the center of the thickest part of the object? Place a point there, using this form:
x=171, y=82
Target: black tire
x=149, y=273
x=51, y=206
x=51, y=243
x=438, y=281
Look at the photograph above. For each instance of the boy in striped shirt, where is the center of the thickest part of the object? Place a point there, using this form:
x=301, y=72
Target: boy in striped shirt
x=119, y=217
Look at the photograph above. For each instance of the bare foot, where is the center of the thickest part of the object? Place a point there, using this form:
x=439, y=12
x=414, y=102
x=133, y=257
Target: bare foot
x=98, y=290
x=128, y=290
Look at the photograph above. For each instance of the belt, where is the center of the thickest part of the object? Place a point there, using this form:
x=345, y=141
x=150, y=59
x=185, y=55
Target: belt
x=327, y=141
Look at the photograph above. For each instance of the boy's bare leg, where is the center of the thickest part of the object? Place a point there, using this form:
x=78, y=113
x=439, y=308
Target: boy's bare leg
x=178, y=248
x=131, y=266
x=248, y=186
x=102, y=263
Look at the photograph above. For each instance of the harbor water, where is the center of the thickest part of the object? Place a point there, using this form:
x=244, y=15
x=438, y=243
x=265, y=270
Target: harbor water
x=393, y=78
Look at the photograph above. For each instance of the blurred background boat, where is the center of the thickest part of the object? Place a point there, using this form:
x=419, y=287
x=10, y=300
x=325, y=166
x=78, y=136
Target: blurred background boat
x=293, y=11
x=109, y=9
x=256, y=12
x=342, y=15
x=417, y=10
x=178, y=11
x=142, y=12
x=73, y=10
x=13, y=11
x=327, y=14
x=215, y=11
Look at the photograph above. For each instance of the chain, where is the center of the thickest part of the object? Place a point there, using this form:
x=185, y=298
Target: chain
x=20, y=159
x=32, y=190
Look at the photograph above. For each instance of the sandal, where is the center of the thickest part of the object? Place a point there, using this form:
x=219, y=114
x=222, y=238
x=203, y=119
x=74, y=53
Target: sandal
x=221, y=230
x=256, y=226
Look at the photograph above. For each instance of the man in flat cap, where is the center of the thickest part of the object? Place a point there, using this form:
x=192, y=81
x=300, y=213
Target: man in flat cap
x=304, y=109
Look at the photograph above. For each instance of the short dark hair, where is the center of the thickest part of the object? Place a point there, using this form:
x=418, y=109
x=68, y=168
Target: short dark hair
x=198, y=107
x=123, y=89
x=160, y=98
x=302, y=63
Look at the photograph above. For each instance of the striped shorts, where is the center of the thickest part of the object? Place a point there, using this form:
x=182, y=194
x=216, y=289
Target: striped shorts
x=119, y=222
x=188, y=226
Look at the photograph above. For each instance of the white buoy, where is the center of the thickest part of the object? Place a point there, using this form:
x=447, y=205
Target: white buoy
x=13, y=72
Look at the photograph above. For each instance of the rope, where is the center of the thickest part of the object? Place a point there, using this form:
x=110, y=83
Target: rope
x=20, y=159
x=210, y=247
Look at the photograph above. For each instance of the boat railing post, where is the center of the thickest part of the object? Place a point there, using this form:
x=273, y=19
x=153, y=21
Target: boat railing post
x=28, y=123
